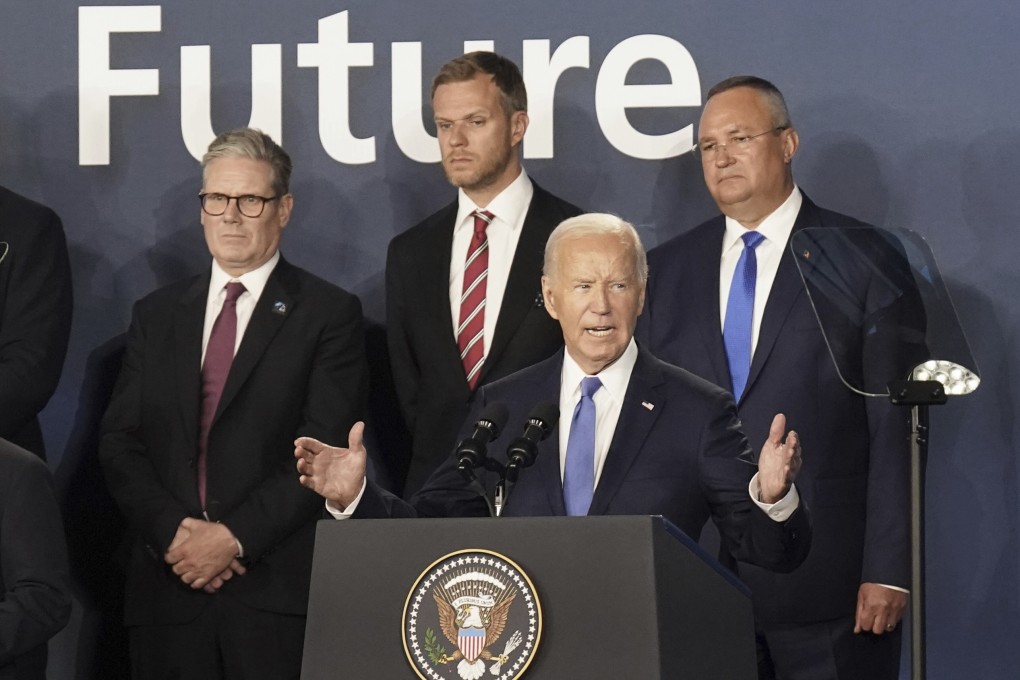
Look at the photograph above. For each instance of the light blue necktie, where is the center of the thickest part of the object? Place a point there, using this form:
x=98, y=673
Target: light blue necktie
x=579, y=471
x=740, y=313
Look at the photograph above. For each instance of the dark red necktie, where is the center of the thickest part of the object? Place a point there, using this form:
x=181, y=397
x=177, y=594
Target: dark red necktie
x=471, y=329
x=219, y=354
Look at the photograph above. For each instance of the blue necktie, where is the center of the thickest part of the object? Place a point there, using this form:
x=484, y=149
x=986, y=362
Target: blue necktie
x=740, y=313
x=579, y=471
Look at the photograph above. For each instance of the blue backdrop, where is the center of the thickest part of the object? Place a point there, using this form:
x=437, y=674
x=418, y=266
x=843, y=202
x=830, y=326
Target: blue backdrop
x=907, y=116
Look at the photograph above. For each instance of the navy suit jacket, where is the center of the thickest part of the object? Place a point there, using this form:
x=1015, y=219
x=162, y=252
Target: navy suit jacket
x=300, y=370
x=684, y=458
x=34, y=576
x=427, y=370
x=35, y=315
x=856, y=462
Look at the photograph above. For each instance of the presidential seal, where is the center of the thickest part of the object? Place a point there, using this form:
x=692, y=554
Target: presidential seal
x=472, y=614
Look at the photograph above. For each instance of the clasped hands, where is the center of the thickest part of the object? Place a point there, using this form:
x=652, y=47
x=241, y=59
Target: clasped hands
x=204, y=554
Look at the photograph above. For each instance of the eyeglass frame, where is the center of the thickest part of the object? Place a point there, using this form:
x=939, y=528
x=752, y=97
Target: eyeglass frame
x=237, y=201
x=741, y=141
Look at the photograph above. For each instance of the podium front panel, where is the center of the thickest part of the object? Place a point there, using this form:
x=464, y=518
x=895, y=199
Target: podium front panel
x=620, y=597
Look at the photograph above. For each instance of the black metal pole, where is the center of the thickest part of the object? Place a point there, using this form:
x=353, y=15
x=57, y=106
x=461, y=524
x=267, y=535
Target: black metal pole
x=918, y=454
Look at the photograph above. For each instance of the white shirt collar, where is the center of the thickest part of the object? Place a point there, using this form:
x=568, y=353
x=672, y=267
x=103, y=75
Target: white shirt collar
x=614, y=377
x=776, y=228
x=254, y=281
x=507, y=206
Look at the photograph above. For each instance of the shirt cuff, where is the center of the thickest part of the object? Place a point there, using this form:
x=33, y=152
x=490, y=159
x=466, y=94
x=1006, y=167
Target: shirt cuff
x=779, y=511
x=346, y=513
x=886, y=585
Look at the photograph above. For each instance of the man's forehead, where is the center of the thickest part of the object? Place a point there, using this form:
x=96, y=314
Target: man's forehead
x=733, y=109
x=238, y=167
x=589, y=255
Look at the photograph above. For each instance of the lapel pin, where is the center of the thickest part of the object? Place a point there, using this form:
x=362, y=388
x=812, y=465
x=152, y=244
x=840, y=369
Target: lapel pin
x=648, y=405
x=280, y=307
x=806, y=254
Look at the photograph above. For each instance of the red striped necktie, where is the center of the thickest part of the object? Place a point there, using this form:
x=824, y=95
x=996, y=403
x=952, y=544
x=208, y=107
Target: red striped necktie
x=471, y=329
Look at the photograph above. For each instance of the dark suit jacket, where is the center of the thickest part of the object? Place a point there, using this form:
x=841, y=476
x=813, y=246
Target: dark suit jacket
x=35, y=315
x=34, y=576
x=685, y=458
x=427, y=370
x=299, y=370
x=856, y=464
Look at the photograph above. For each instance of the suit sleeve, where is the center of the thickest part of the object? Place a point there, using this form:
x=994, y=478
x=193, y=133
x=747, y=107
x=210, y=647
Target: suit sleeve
x=33, y=557
x=334, y=400
x=133, y=481
x=35, y=318
x=748, y=533
x=893, y=343
x=406, y=373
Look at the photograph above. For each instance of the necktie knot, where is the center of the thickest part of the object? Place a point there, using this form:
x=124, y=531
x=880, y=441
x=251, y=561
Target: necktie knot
x=483, y=218
x=589, y=386
x=234, y=291
x=752, y=239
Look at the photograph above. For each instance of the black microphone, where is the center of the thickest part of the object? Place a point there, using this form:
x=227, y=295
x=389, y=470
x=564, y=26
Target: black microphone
x=541, y=421
x=471, y=451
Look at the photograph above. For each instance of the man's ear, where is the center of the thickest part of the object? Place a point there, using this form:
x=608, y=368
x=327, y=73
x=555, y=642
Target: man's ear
x=549, y=298
x=791, y=142
x=518, y=126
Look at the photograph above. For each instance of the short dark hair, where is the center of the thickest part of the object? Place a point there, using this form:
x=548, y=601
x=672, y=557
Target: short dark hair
x=504, y=73
x=769, y=93
x=246, y=142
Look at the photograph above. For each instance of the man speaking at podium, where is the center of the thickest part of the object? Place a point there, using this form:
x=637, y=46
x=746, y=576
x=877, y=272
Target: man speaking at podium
x=645, y=437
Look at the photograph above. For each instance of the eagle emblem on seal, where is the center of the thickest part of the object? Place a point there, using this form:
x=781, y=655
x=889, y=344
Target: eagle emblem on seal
x=473, y=609
x=472, y=614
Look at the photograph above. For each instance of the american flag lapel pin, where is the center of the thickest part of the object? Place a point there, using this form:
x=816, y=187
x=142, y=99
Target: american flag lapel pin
x=648, y=405
x=280, y=307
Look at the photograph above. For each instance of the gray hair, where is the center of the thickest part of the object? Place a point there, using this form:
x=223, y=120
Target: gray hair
x=769, y=93
x=246, y=142
x=597, y=224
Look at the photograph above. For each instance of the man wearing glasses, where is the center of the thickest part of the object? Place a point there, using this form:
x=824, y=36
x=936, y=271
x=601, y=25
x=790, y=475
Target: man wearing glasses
x=725, y=301
x=221, y=373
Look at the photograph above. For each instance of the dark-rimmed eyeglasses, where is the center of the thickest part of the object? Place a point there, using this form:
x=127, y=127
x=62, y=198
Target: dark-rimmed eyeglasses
x=734, y=146
x=249, y=205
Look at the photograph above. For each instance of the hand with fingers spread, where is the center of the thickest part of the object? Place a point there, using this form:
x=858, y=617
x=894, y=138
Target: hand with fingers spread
x=779, y=462
x=337, y=474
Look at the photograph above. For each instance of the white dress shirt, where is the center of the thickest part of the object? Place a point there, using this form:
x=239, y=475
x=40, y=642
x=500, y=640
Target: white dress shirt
x=254, y=283
x=776, y=229
x=509, y=208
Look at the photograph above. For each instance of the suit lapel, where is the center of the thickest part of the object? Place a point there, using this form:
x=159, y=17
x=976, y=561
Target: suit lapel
x=433, y=274
x=636, y=421
x=523, y=287
x=705, y=299
x=275, y=305
x=548, y=459
x=786, y=291
x=189, y=319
